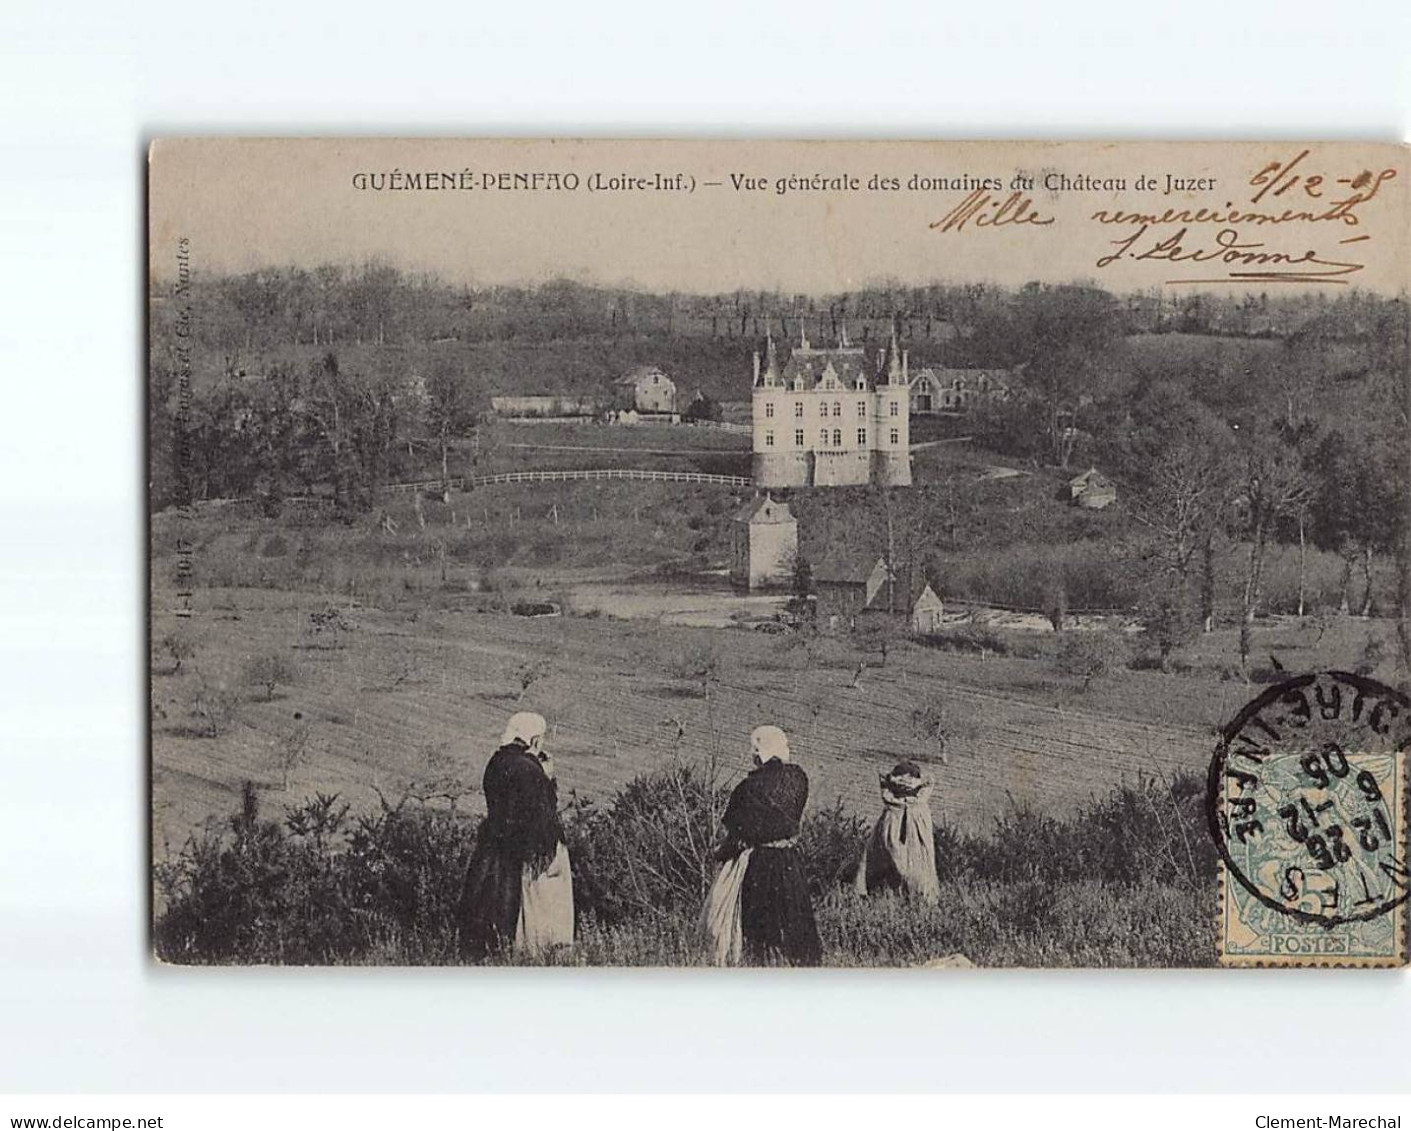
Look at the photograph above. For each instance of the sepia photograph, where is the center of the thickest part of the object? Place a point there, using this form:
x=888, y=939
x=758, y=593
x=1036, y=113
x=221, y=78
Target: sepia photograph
x=778, y=554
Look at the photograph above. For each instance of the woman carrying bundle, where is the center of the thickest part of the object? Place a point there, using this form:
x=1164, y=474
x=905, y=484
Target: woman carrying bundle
x=901, y=852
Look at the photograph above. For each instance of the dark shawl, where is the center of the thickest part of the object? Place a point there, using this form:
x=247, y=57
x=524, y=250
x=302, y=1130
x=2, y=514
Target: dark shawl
x=775, y=911
x=521, y=829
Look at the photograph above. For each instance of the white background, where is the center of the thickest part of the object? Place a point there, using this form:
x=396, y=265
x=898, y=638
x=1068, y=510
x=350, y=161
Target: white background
x=82, y=85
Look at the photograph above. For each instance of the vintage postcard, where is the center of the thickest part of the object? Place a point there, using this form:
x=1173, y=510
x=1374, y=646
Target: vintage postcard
x=700, y=553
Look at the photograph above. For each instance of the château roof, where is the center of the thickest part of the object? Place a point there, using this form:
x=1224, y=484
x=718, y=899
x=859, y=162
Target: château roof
x=765, y=509
x=845, y=364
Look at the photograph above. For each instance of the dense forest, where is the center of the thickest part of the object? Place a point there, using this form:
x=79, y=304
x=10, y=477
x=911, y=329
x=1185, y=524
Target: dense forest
x=564, y=336
x=1250, y=419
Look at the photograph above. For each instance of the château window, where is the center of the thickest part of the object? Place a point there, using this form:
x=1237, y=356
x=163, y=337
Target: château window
x=837, y=409
x=837, y=437
x=823, y=437
x=769, y=439
x=862, y=436
x=769, y=410
x=896, y=436
x=894, y=409
x=798, y=408
x=862, y=410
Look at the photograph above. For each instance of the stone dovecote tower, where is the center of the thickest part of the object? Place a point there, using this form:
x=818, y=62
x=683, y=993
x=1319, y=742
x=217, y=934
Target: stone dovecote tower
x=764, y=544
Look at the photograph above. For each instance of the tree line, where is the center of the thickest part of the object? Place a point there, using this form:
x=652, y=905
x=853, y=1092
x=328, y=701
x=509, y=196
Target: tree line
x=291, y=431
x=374, y=303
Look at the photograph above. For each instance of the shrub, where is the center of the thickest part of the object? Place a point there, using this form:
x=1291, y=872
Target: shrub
x=180, y=645
x=328, y=621
x=931, y=729
x=699, y=665
x=271, y=502
x=831, y=842
x=269, y=671
x=534, y=608
x=531, y=672
x=1374, y=654
x=649, y=851
x=967, y=638
x=311, y=890
x=214, y=705
x=1127, y=881
x=1090, y=655
x=290, y=751
x=1171, y=622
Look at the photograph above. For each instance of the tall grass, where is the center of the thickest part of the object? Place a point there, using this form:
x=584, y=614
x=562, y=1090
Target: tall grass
x=1129, y=880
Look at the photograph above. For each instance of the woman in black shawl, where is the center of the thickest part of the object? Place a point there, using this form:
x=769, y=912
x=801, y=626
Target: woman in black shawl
x=758, y=908
x=518, y=888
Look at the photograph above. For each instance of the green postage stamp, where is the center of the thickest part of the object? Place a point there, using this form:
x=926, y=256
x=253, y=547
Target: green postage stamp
x=1307, y=797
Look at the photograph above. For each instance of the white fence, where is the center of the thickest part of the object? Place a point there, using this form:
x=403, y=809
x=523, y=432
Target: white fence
x=566, y=476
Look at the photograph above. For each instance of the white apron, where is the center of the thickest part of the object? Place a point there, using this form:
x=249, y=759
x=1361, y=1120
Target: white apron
x=546, y=906
x=720, y=917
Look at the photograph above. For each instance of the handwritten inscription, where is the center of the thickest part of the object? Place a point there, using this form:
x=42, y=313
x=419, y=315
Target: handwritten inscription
x=984, y=211
x=1254, y=240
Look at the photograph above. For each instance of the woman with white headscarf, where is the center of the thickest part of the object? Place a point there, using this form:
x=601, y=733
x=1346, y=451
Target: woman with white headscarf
x=758, y=908
x=519, y=887
x=901, y=853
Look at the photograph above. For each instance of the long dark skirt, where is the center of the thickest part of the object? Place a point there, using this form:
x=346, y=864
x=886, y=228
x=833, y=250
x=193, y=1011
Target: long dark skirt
x=776, y=915
x=489, y=909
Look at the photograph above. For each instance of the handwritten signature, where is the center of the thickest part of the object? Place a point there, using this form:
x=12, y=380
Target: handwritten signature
x=1232, y=250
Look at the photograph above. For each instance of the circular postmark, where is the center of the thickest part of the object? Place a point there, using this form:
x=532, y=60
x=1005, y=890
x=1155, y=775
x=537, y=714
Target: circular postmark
x=1306, y=798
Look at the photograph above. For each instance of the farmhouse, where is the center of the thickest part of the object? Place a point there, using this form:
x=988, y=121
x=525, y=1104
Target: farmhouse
x=851, y=584
x=914, y=602
x=1092, y=490
x=764, y=544
x=848, y=583
x=936, y=391
x=646, y=391
x=829, y=418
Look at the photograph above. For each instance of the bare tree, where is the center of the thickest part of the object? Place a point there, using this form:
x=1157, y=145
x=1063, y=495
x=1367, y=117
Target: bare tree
x=291, y=750
x=1273, y=485
x=451, y=409
x=1182, y=502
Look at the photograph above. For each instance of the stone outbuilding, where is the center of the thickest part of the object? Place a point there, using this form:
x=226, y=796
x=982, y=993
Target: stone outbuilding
x=764, y=544
x=1091, y=490
x=849, y=583
x=926, y=611
x=937, y=391
x=646, y=390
